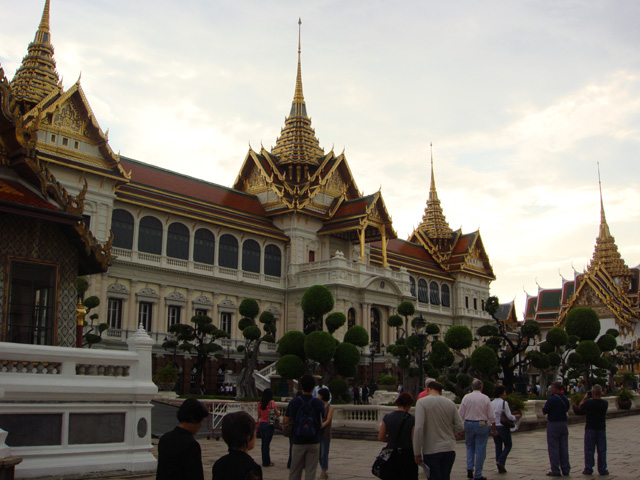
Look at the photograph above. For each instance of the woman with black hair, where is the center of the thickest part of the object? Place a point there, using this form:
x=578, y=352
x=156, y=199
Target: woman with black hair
x=266, y=429
x=239, y=433
x=397, y=430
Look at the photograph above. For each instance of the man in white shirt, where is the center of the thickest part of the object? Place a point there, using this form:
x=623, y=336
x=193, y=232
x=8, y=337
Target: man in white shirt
x=479, y=421
x=503, y=439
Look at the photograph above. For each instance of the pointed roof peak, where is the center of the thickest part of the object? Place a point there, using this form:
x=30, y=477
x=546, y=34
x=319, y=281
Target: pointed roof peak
x=434, y=223
x=36, y=77
x=606, y=250
x=298, y=141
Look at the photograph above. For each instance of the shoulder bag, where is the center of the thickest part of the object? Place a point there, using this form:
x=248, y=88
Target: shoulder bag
x=380, y=467
x=504, y=420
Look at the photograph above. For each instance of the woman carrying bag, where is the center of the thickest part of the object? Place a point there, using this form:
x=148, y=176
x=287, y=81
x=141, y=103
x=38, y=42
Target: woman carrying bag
x=397, y=430
x=503, y=415
x=267, y=415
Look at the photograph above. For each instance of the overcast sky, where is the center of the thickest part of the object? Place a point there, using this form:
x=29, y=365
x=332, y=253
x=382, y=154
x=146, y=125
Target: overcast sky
x=521, y=99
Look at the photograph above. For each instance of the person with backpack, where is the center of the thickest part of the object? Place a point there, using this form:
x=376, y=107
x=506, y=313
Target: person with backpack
x=305, y=413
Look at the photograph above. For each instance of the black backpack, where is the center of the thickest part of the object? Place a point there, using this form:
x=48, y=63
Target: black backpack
x=305, y=427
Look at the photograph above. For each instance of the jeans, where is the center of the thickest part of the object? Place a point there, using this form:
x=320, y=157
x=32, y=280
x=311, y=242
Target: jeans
x=558, y=447
x=595, y=439
x=304, y=457
x=503, y=438
x=440, y=464
x=476, y=437
x=266, y=432
x=324, y=453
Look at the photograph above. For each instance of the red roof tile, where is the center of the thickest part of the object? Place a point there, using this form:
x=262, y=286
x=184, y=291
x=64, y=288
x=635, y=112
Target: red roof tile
x=14, y=192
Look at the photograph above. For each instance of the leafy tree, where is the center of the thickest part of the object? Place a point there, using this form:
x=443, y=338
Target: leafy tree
x=316, y=302
x=198, y=339
x=249, y=309
x=89, y=338
x=508, y=342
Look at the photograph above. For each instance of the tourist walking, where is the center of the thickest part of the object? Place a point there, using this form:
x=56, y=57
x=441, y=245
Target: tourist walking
x=397, y=430
x=179, y=454
x=305, y=413
x=239, y=433
x=503, y=440
x=325, y=435
x=266, y=407
x=595, y=432
x=434, y=436
x=479, y=421
x=556, y=409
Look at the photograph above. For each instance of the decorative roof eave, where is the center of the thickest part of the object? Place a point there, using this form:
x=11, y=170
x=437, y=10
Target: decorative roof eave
x=55, y=100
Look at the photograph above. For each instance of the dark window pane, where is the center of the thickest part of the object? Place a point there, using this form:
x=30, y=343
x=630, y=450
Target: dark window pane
x=178, y=241
x=434, y=293
x=272, y=261
x=114, y=313
x=122, y=228
x=413, y=286
x=32, y=299
x=422, y=291
x=145, y=309
x=228, y=254
x=150, y=236
x=251, y=256
x=445, y=296
x=204, y=246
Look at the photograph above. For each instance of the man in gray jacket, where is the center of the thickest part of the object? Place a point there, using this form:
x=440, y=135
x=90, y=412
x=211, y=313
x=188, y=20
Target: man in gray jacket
x=434, y=435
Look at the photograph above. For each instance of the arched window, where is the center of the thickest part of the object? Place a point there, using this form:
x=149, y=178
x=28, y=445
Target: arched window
x=178, y=241
x=423, y=295
x=444, y=295
x=228, y=254
x=122, y=228
x=272, y=261
x=375, y=328
x=150, y=235
x=413, y=286
x=251, y=256
x=434, y=293
x=204, y=246
x=351, y=318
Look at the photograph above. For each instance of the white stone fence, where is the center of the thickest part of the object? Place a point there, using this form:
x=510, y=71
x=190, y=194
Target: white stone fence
x=369, y=417
x=72, y=410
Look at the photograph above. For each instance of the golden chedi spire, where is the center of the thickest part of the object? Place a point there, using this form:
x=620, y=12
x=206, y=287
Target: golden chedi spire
x=434, y=223
x=606, y=251
x=37, y=76
x=297, y=142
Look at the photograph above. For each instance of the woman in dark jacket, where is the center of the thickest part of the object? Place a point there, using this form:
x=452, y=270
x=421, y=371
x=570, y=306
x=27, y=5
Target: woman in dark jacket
x=397, y=430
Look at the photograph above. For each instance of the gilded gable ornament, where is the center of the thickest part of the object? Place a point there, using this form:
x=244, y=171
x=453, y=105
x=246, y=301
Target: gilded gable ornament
x=69, y=118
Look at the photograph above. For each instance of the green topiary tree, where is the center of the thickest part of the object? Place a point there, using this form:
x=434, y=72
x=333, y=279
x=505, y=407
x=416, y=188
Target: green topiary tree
x=92, y=334
x=198, y=339
x=253, y=337
x=509, y=342
x=316, y=302
x=290, y=366
x=583, y=322
x=484, y=361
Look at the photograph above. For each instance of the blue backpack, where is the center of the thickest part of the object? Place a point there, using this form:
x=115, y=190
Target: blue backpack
x=305, y=427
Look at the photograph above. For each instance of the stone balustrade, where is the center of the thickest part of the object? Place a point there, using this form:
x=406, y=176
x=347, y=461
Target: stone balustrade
x=73, y=410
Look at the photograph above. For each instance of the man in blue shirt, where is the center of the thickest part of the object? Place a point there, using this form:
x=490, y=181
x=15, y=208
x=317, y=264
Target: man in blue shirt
x=556, y=409
x=305, y=436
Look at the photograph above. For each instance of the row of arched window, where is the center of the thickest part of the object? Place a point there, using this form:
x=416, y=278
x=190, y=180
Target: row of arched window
x=150, y=240
x=431, y=293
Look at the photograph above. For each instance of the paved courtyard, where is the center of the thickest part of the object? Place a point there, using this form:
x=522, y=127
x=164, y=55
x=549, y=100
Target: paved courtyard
x=352, y=459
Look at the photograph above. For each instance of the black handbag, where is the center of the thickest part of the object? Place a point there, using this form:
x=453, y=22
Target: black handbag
x=504, y=420
x=381, y=464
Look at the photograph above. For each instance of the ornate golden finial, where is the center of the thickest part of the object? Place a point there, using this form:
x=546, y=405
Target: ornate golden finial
x=434, y=223
x=36, y=77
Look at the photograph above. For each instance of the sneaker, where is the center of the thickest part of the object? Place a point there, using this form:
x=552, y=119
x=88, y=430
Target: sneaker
x=501, y=468
x=587, y=472
x=469, y=473
x=606, y=472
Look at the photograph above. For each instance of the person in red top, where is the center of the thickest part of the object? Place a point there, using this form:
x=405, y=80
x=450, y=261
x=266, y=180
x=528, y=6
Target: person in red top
x=425, y=392
x=266, y=429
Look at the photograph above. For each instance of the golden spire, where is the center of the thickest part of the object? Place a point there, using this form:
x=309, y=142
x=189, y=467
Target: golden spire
x=297, y=141
x=606, y=250
x=434, y=223
x=37, y=76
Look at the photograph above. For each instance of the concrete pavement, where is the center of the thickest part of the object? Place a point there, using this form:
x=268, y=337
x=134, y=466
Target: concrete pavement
x=352, y=459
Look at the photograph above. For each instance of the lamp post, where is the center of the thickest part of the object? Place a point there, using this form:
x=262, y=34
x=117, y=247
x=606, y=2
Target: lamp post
x=420, y=326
